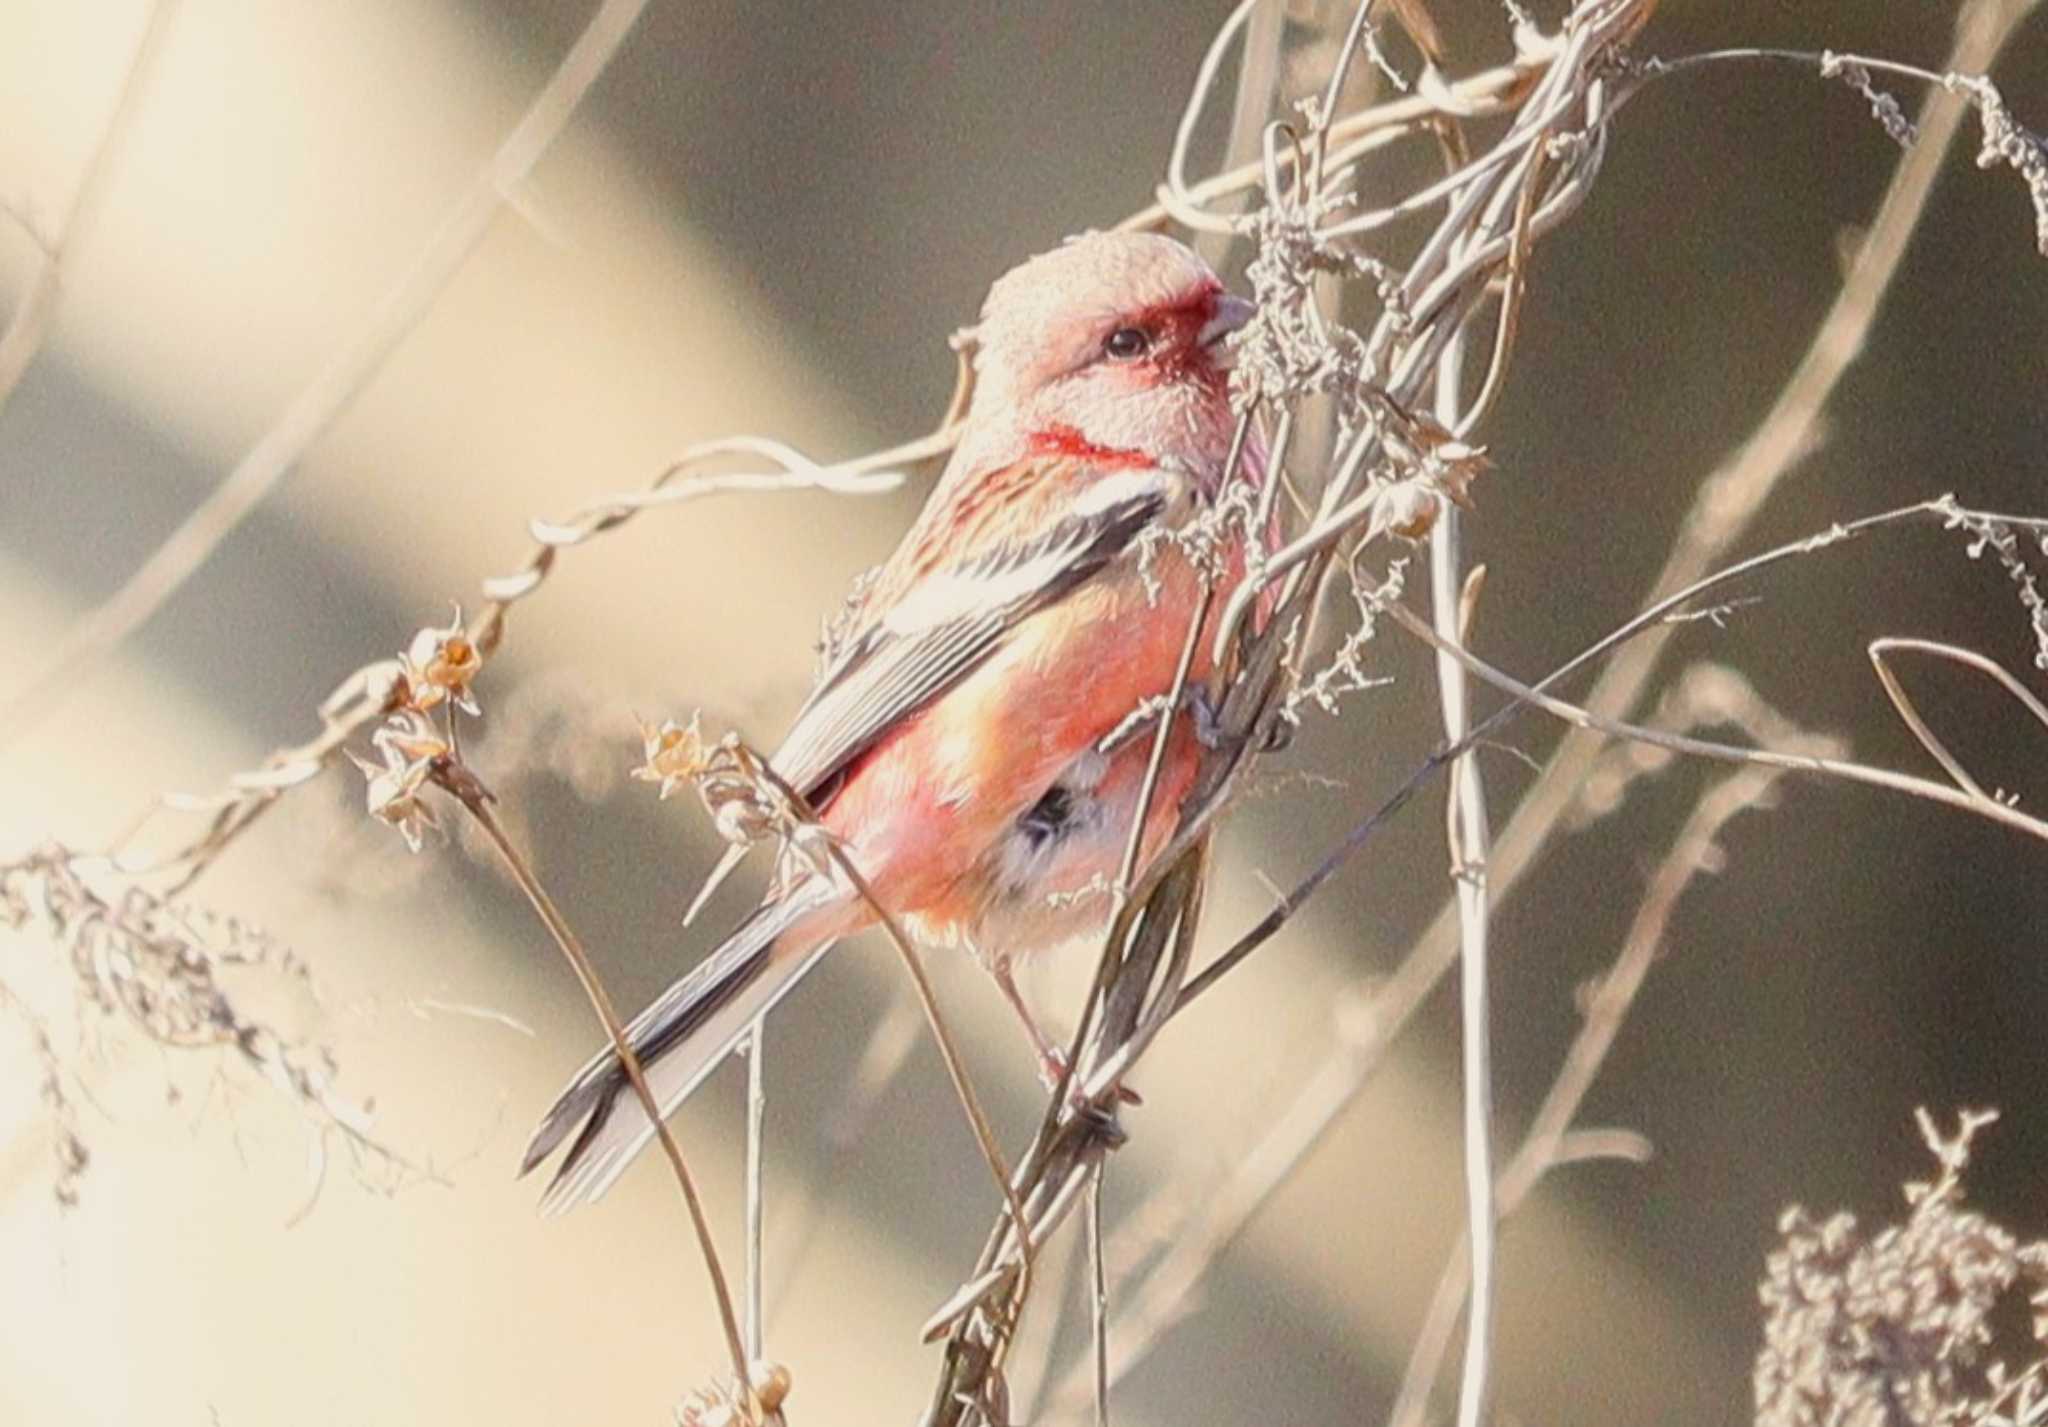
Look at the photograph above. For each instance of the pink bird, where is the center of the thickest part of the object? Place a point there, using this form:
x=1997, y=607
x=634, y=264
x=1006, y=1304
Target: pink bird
x=959, y=744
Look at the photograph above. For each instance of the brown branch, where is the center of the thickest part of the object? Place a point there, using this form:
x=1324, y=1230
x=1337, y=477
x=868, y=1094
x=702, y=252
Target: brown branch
x=463, y=785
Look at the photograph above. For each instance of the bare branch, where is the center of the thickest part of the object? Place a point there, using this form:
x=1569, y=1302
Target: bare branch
x=1544, y=1146
x=460, y=783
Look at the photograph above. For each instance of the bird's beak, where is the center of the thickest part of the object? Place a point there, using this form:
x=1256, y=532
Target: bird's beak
x=1231, y=312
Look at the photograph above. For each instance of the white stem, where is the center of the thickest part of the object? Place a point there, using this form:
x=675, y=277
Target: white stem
x=1098, y=1297
x=757, y=1122
x=1468, y=851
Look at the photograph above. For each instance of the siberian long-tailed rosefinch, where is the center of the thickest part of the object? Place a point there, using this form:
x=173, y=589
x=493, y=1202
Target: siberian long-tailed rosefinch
x=957, y=745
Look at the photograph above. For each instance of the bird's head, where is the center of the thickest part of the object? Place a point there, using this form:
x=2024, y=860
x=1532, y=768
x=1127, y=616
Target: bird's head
x=1117, y=337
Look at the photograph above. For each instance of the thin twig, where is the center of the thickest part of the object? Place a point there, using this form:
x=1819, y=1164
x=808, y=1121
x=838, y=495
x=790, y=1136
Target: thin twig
x=756, y=1192
x=1985, y=807
x=29, y=327
x=949, y=1053
x=1542, y=1147
x=475, y=799
x=1467, y=822
x=1658, y=617
x=1466, y=837
x=348, y=371
x=1881, y=649
x=366, y=694
x=1211, y=1223
x=956, y=1068
x=1730, y=496
x=1098, y=1298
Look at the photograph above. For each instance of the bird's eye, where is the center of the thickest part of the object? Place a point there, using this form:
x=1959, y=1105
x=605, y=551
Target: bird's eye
x=1127, y=344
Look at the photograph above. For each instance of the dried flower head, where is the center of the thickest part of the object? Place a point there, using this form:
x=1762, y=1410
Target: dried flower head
x=1407, y=508
x=440, y=665
x=745, y=804
x=673, y=753
x=721, y=1404
x=410, y=747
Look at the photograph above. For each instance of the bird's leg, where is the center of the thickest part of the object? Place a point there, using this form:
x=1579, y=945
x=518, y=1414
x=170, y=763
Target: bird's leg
x=1052, y=1061
x=1052, y=1057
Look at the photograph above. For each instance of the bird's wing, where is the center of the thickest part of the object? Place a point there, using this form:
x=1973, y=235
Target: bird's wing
x=930, y=620
x=945, y=622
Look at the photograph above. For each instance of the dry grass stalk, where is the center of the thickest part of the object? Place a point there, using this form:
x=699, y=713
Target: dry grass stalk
x=1706, y=696
x=419, y=747
x=750, y=803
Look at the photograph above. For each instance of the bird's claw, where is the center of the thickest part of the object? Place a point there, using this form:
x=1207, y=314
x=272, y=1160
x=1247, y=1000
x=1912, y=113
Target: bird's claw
x=1102, y=1124
x=1209, y=731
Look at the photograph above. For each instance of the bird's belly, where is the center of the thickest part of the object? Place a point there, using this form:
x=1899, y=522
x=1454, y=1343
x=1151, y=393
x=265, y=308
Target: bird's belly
x=951, y=811
x=1048, y=878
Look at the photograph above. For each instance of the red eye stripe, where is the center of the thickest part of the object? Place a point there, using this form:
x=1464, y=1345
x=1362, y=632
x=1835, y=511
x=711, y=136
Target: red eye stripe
x=1175, y=323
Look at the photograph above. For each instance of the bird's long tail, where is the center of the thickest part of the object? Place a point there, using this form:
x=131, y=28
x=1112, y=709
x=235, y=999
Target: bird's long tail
x=680, y=1039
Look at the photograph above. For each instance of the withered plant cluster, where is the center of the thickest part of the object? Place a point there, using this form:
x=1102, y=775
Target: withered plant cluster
x=1385, y=335
x=1865, y=1329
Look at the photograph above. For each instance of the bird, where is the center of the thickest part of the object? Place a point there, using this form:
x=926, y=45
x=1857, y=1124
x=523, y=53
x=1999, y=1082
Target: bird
x=962, y=741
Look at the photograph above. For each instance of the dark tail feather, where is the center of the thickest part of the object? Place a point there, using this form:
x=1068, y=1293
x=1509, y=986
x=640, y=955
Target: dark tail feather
x=680, y=1039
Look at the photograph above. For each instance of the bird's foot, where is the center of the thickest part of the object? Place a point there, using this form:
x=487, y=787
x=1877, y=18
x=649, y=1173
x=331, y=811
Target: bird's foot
x=1209, y=731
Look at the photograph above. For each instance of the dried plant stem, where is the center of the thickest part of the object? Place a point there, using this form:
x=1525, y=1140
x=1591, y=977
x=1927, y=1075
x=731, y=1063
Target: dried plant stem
x=1490, y=92
x=476, y=800
x=1195, y=1229
x=804, y=1226
x=1466, y=834
x=1961, y=798
x=1258, y=85
x=1131, y=997
x=1881, y=651
x=1668, y=610
x=1727, y=502
x=756, y=1191
x=366, y=694
x=334, y=389
x=913, y=964
x=1098, y=1298
x=1544, y=1146
x=1198, y=1229
x=29, y=327
x=1730, y=497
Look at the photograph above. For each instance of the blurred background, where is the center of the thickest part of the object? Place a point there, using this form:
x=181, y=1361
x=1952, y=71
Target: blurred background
x=767, y=218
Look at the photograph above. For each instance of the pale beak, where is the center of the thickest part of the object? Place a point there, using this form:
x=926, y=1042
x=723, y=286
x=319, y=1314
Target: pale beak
x=1231, y=312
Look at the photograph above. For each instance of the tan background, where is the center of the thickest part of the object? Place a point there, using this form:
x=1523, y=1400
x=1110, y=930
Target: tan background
x=767, y=219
